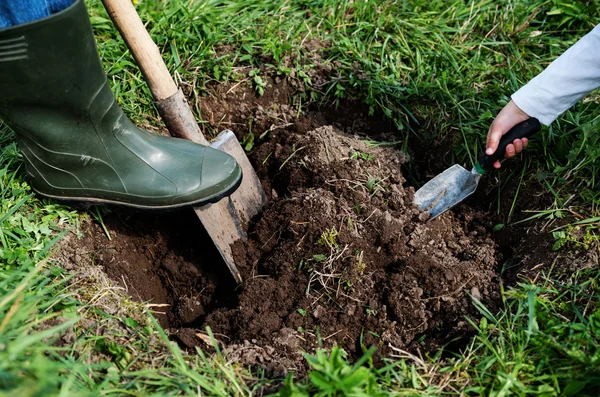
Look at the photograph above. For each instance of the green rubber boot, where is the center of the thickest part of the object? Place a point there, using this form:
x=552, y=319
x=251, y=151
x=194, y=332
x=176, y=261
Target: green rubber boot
x=77, y=142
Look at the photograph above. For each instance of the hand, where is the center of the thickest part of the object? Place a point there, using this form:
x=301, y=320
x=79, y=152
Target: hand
x=508, y=117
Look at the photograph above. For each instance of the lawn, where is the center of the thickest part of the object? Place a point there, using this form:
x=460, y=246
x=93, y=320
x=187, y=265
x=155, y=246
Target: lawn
x=428, y=76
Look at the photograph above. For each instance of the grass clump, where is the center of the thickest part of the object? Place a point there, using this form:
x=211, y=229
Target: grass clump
x=545, y=343
x=30, y=325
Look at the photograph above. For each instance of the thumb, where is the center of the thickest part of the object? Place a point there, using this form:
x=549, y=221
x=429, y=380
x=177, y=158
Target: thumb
x=493, y=138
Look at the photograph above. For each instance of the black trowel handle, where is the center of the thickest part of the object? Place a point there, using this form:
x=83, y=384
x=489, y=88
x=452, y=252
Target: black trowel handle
x=522, y=130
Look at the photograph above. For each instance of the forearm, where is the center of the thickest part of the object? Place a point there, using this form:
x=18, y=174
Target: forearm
x=564, y=82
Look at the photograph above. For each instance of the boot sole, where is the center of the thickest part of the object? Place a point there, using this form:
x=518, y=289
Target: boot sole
x=81, y=201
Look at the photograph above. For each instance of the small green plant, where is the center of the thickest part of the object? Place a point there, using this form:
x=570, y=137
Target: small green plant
x=498, y=227
x=97, y=215
x=577, y=236
x=355, y=155
x=375, y=185
x=333, y=375
x=248, y=139
x=291, y=156
x=131, y=323
x=258, y=83
x=359, y=262
x=560, y=239
x=329, y=238
x=346, y=285
x=119, y=353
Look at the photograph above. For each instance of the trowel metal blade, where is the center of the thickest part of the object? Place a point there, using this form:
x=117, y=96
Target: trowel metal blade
x=446, y=190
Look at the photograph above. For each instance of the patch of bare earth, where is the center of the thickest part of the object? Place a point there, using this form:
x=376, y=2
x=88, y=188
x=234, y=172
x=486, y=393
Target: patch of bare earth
x=338, y=256
x=341, y=256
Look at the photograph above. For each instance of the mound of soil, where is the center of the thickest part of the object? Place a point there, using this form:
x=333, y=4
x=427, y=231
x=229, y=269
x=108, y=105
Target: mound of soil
x=340, y=254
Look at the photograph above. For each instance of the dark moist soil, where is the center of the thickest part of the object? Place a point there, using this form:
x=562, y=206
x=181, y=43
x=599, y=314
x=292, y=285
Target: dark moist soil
x=164, y=259
x=341, y=254
x=338, y=256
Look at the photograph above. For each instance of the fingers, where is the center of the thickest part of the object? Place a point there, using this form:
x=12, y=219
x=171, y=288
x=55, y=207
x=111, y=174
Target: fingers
x=510, y=150
x=516, y=147
x=513, y=149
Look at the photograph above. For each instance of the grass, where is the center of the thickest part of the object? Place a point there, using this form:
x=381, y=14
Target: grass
x=434, y=69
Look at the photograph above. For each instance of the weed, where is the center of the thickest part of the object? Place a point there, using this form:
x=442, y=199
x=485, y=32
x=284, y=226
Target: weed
x=359, y=263
x=333, y=375
x=290, y=157
x=98, y=217
x=576, y=236
x=374, y=184
x=119, y=353
x=259, y=83
x=329, y=238
x=355, y=155
x=248, y=139
x=498, y=227
x=370, y=312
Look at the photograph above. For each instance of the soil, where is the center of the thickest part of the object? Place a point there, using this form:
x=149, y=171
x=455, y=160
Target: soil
x=338, y=256
x=341, y=255
x=164, y=259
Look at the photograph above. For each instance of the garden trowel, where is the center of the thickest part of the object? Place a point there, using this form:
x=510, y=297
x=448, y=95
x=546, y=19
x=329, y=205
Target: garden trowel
x=456, y=183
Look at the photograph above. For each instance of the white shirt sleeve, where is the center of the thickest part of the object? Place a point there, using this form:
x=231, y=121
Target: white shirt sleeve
x=564, y=82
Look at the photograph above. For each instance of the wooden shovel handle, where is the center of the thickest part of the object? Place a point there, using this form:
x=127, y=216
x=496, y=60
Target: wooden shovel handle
x=170, y=101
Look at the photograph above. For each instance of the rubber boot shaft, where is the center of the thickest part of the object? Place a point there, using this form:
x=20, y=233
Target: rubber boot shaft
x=76, y=140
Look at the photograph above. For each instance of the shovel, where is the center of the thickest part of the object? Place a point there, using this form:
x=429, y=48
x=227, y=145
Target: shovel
x=456, y=183
x=226, y=220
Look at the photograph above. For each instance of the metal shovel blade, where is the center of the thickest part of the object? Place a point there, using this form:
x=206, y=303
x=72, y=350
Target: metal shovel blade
x=446, y=190
x=227, y=220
